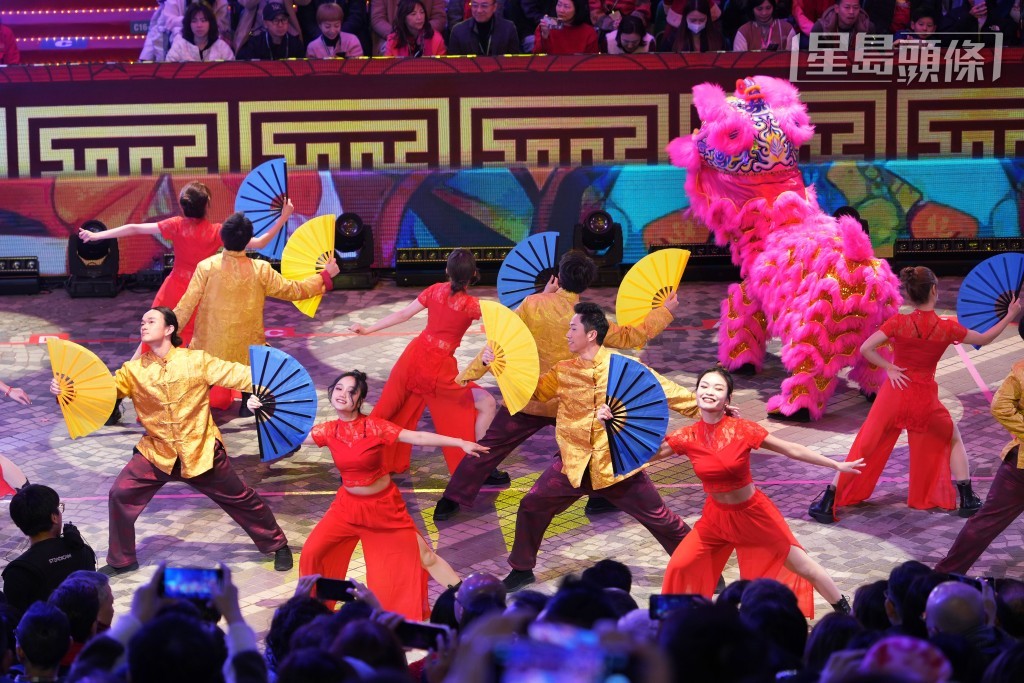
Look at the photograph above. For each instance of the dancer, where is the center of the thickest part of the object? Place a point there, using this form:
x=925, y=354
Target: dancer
x=585, y=465
x=547, y=316
x=737, y=515
x=169, y=386
x=9, y=483
x=910, y=401
x=193, y=238
x=424, y=375
x=232, y=289
x=369, y=507
x=1005, y=499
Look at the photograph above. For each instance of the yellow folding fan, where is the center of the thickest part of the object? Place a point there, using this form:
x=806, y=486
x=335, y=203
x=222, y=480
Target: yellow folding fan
x=87, y=393
x=306, y=253
x=516, y=366
x=648, y=283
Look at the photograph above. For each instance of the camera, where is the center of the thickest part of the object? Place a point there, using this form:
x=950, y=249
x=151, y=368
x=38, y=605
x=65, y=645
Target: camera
x=334, y=589
x=663, y=605
x=192, y=583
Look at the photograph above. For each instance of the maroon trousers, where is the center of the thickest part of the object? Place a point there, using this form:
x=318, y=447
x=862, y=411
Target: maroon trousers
x=552, y=493
x=504, y=435
x=1003, y=504
x=139, y=481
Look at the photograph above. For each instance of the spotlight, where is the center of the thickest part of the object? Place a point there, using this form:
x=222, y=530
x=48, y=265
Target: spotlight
x=19, y=275
x=92, y=265
x=353, y=248
x=601, y=239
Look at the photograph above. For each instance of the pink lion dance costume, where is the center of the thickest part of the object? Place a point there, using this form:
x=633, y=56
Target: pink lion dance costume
x=808, y=279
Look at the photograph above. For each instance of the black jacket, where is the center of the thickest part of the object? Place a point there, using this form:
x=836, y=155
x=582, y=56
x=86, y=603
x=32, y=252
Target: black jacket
x=259, y=46
x=503, y=40
x=36, y=572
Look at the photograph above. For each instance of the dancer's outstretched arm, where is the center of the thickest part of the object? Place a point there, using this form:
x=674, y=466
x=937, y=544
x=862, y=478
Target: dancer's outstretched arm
x=15, y=394
x=123, y=231
x=264, y=239
x=440, y=441
x=802, y=453
x=401, y=316
x=989, y=335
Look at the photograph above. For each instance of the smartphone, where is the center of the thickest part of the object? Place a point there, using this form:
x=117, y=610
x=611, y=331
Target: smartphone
x=196, y=583
x=334, y=589
x=663, y=605
x=530, y=661
x=419, y=635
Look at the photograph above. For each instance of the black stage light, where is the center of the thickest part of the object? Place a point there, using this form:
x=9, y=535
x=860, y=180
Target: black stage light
x=19, y=275
x=951, y=255
x=353, y=248
x=601, y=239
x=92, y=265
x=422, y=266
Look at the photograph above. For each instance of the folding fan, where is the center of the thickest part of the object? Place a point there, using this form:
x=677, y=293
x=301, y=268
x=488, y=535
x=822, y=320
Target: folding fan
x=639, y=414
x=87, y=392
x=527, y=268
x=289, y=401
x=307, y=252
x=987, y=290
x=516, y=365
x=648, y=283
x=261, y=198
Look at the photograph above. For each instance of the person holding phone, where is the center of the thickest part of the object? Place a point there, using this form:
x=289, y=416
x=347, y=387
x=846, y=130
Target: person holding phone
x=569, y=32
x=765, y=31
x=737, y=515
x=368, y=507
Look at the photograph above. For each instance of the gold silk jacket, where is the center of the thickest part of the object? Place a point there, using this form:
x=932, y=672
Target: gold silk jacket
x=1008, y=409
x=547, y=316
x=230, y=288
x=580, y=387
x=172, y=399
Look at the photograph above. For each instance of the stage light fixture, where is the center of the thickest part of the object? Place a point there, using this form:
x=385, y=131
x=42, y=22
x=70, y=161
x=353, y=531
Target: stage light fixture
x=422, y=266
x=708, y=261
x=951, y=255
x=19, y=275
x=92, y=265
x=353, y=248
x=601, y=239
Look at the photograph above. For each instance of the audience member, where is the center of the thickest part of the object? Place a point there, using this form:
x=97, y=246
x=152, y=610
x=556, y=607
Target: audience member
x=372, y=643
x=807, y=12
x=526, y=15
x=332, y=41
x=78, y=600
x=698, y=31
x=912, y=659
x=42, y=638
x=1007, y=667
x=276, y=40
x=9, y=53
x=765, y=31
x=869, y=606
x=782, y=626
x=732, y=595
x=287, y=619
x=606, y=15
x=621, y=602
x=199, y=39
x=314, y=665
x=630, y=37
x=568, y=32
x=443, y=611
x=915, y=602
x=830, y=635
x=383, y=14
x=845, y=16
x=958, y=609
x=526, y=602
x=900, y=579
x=484, y=33
x=356, y=20
x=889, y=16
x=174, y=19
x=412, y=35
x=101, y=584
x=253, y=21
x=924, y=20
x=609, y=574
x=710, y=644
x=1010, y=607
x=578, y=604
x=37, y=511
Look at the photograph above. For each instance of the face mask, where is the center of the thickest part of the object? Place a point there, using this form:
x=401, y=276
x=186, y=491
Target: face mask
x=696, y=28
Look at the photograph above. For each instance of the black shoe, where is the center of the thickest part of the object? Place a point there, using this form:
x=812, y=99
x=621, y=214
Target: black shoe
x=498, y=478
x=283, y=560
x=107, y=570
x=518, y=578
x=446, y=508
x=969, y=502
x=599, y=506
x=823, y=508
x=843, y=606
x=115, y=417
x=801, y=415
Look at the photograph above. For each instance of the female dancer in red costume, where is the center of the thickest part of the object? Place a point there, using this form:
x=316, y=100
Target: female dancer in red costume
x=910, y=401
x=425, y=373
x=369, y=507
x=193, y=237
x=13, y=478
x=738, y=516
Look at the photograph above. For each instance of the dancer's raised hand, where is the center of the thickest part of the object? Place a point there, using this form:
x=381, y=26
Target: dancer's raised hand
x=487, y=356
x=850, y=466
x=604, y=413
x=671, y=302
x=552, y=285
x=55, y=387
x=254, y=403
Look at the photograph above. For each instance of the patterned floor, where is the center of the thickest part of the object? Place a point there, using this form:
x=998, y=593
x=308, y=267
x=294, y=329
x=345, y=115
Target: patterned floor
x=185, y=528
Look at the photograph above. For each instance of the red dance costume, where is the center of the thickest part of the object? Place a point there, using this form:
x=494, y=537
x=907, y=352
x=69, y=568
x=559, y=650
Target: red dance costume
x=919, y=340
x=194, y=239
x=425, y=377
x=393, y=568
x=755, y=528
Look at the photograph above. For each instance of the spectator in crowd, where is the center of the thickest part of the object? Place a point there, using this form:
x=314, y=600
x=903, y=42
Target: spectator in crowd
x=923, y=23
x=806, y=12
x=869, y=606
x=383, y=14
x=253, y=21
x=287, y=619
x=631, y=37
x=568, y=32
x=275, y=41
x=906, y=659
x=710, y=644
x=845, y=16
x=698, y=31
x=484, y=33
x=830, y=635
x=764, y=31
x=199, y=40
x=42, y=638
x=332, y=41
x=1007, y=667
x=889, y=16
x=901, y=577
x=606, y=15
x=8, y=46
x=101, y=584
x=526, y=15
x=78, y=600
x=478, y=594
x=174, y=19
x=412, y=35
x=313, y=665
x=356, y=19
x=609, y=574
x=51, y=556
x=957, y=609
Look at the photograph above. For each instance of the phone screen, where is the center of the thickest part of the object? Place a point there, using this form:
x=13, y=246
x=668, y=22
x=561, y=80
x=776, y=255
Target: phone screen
x=190, y=582
x=420, y=636
x=334, y=589
x=531, y=661
x=663, y=605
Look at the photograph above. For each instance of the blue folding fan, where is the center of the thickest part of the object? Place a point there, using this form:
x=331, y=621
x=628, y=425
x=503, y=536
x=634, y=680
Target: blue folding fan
x=527, y=268
x=986, y=292
x=289, y=401
x=639, y=414
x=261, y=198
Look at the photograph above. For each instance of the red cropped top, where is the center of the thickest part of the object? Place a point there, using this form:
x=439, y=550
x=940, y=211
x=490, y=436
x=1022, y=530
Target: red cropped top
x=448, y=315
x=357, y=446
x=720, y=452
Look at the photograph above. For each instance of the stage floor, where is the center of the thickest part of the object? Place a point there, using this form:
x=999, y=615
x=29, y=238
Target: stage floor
x=184, y=528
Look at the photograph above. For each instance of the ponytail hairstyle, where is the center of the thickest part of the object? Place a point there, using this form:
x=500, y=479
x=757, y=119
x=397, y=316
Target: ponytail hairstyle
x=361, y=386
x=195, y=197
x=917, y=282
x=170, y=320
x=718, y=369
x=461, y=270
